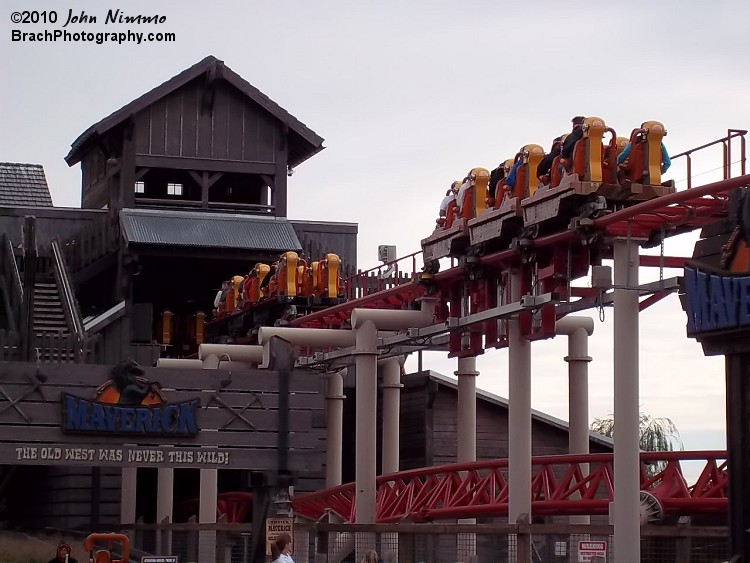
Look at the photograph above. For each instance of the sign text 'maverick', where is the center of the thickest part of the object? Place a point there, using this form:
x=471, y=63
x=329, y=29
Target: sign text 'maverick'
x=92, y=417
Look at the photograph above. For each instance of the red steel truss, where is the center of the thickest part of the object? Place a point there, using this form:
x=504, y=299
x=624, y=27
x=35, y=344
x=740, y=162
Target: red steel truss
x=560, y=485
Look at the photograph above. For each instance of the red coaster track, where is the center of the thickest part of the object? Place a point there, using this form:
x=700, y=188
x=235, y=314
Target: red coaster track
x=560, y=485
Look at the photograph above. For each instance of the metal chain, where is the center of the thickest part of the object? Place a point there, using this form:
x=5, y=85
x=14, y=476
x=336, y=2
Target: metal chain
x=661, y=257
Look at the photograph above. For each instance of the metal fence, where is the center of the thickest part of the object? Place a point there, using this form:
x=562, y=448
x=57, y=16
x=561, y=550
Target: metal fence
x=433, y=543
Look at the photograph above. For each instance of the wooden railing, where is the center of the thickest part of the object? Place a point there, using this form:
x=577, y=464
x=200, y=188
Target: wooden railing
x=67, y=295
x=12, y=278
x=51, y=348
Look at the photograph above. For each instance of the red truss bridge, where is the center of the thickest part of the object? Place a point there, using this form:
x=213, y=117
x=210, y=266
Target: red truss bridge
x=567, y=484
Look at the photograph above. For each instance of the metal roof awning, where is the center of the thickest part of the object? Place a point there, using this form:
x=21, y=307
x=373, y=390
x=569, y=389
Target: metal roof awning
x=204, y=230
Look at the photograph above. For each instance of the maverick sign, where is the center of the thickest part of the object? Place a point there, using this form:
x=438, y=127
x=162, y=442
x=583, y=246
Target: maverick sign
x=716, y=302
x=717, y=280
x=129, y=404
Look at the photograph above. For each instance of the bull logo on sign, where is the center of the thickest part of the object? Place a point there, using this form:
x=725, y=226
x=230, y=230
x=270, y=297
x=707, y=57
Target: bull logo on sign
x=735, y=254
x=129, y=387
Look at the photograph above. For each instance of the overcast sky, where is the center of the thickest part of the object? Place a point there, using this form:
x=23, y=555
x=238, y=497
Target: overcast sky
x=411, y=95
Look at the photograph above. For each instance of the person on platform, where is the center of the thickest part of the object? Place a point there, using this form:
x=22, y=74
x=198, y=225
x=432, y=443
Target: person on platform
x=63, y=554
x=281, y=549
x=371, y=557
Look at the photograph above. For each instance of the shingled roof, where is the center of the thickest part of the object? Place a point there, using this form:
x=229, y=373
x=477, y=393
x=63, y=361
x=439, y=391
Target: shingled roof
x=23, y=185
x=303, y=141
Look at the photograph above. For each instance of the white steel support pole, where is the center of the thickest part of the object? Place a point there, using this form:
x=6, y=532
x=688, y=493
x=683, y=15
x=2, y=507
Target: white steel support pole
x=164, y=502
x=209, y=482
x=391, y=369
x=578, y=330
x=128, y=488
x=467, y=373
x=626, y=520
x=334, y=426
x=366, y=362
x=519, y=412
x=467, y=409
x=209, y=493
x=366, y=426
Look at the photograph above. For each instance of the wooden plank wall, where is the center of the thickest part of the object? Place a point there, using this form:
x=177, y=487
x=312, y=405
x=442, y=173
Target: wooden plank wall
x=233, y=129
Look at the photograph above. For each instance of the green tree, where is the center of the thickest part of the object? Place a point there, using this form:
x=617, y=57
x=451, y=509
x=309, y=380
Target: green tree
x=656, y=435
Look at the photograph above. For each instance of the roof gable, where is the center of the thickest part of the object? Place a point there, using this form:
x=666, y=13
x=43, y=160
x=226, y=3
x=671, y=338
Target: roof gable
x=303, y=141
x=23, y=185
x=503, y=402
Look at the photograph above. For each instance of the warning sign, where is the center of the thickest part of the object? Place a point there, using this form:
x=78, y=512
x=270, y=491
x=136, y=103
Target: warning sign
x=275, y=526
x=594, y=551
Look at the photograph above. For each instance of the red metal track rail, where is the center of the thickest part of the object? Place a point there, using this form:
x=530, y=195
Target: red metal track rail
x=568, y=484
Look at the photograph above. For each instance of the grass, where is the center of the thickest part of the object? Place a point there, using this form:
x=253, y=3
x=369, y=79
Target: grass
x=17, y=547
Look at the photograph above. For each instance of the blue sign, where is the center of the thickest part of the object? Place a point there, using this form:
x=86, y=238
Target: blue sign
x=94, y=417
x=716, y=302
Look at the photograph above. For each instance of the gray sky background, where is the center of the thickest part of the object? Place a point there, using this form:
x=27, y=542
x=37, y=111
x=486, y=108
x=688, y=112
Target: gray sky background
x=411, y=95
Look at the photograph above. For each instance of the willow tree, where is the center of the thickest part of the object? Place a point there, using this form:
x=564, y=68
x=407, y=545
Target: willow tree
x=656, y=435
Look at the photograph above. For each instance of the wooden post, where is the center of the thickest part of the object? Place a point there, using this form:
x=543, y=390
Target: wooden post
x=523, y=541
x=221, y=542
x=683, y=541
x=192, y=541
x=279, y=198
x=283, y=356
x=261, y=504
x=406, y=547
x=204, y=190
x=321, y=550
x=738, y=451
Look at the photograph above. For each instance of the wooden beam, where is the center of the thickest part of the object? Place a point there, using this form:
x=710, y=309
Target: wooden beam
x=197, y=178
x=210, y=165
x=215, y=177
x=278, y=192
x=127, y=166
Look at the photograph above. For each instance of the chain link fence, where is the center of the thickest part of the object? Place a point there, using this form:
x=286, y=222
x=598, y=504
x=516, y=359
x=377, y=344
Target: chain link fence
x=431, y=543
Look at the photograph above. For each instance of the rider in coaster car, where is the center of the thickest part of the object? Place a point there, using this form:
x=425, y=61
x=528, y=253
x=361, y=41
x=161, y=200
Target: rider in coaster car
x=573, y=137
x=665, y=160
x=543, y=170
x=450, y=195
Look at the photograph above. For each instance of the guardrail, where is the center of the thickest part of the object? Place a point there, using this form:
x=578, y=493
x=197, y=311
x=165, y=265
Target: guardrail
x=67, y=296
x=13, y=281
